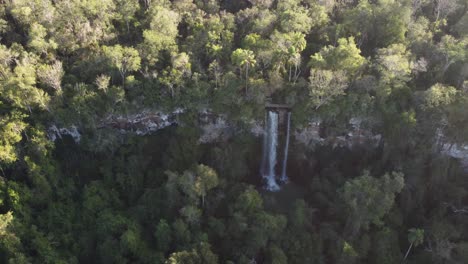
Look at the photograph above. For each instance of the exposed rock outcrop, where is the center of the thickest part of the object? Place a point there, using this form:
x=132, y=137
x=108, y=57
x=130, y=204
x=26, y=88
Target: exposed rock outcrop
x=309, y=135
x=457, y=152
x=216, y=128
x=54, y=133
x=142, y=123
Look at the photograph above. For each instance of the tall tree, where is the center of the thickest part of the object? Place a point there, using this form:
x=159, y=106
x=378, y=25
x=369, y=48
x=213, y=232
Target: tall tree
x=416, y=238
x=11, y=128
x=207, y=179
x=325, y=86
x=51, y=75
x=346, y=57
x=180, y=70
x=161, y=34
x=125, y=59
x=369, y=199
x=244, y=59
x=126, y=10
x=19, y=86
x=394, y=66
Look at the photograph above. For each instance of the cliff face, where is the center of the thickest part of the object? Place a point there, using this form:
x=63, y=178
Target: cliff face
x=217, y=128
x=214, y=127
x=54, y=132
x=458, y=152
x=141, y=124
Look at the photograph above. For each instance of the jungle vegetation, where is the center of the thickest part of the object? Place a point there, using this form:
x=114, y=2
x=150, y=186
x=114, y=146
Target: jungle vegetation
x=400, y=65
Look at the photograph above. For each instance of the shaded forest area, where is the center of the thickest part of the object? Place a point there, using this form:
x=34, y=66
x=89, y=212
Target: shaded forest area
x=80, y=80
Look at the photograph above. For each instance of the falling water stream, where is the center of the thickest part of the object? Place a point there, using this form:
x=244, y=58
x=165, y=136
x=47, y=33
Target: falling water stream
x=272, y=143
x=270, y=151
x=284, y=177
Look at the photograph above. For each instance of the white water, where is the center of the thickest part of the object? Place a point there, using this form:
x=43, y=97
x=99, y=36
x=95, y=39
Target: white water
x=271, y=149
x=284, y=177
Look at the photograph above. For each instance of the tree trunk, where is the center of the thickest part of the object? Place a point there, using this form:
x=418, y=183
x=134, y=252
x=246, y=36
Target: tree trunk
x=448, y=63
x=246, y=78
x=216, y=78
x=407, y=252
x=122, y=74
x=26, y=135
x=295, y=73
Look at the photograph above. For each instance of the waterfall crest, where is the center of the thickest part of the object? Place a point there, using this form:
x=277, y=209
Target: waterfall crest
x=284, y=177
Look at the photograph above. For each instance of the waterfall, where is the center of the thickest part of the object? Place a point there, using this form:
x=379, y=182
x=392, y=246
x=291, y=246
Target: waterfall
x=270, y=150
x=284, y=177
x=264, y=149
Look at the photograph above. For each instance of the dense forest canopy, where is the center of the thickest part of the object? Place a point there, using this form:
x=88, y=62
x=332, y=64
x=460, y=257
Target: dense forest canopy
x=109, y=111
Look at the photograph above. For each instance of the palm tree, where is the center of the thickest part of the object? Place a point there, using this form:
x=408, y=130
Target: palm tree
x=294, y=60
x=415, y=237
x=244, y=59
x=289, y=53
